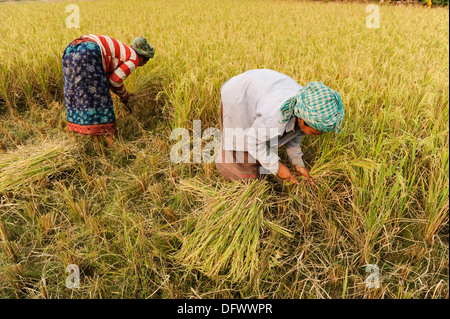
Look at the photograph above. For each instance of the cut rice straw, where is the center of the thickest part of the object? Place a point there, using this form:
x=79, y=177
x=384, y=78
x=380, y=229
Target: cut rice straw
x=225, y=241
x=30, y=164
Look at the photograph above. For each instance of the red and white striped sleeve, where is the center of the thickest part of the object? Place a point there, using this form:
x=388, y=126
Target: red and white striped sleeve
x=120, y=74
x=124, y=61
x=119, y=61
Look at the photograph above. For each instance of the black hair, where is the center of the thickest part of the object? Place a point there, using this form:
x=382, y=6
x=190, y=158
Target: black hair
x=144, y=57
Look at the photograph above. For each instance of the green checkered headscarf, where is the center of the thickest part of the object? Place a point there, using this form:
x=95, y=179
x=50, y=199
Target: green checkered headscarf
x=318, y=105
x=142, y=47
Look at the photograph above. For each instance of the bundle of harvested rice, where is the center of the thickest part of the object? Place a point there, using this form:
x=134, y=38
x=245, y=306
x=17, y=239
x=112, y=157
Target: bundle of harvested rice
x=30, y=164
x=225, y=240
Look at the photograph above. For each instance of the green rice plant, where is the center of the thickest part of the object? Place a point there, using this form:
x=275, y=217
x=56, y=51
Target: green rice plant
x=436, y=192
x=224, y=241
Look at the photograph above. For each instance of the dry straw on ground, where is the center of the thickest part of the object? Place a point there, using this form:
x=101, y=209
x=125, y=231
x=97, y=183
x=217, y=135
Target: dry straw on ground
x=33, y=163
x=224, y=242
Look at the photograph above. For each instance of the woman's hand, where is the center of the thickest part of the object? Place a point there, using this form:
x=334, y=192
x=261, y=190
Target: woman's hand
x=126, y=98
x=286, y=174
x=303, y=171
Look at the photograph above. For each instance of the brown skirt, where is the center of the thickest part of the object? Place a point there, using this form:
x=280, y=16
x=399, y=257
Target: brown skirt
x=232, y=170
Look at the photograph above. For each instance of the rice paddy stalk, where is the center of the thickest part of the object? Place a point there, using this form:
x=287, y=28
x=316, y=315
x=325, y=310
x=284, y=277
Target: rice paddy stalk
x=224, y=243
x=31, y=164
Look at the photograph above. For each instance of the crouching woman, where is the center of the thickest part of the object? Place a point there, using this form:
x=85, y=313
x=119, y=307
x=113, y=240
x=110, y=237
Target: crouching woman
x=262, y=110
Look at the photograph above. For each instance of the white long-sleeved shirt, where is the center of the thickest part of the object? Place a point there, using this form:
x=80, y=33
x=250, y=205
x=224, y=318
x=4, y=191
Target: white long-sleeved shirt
x=251, y=103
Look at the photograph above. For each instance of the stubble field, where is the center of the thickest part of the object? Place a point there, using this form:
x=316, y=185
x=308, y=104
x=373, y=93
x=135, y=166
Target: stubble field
x=140, y=226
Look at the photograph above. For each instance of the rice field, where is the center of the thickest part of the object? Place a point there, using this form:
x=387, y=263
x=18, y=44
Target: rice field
x=140, y=226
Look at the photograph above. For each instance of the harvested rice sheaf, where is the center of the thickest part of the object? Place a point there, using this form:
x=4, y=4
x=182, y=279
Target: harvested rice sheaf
x=224, y=243
x=30, y=164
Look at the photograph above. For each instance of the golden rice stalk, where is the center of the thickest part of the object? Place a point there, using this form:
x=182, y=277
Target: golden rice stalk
x=225, y=240
x=30, y=164
x=321, y=169
x=5, y=244
x=436, y=222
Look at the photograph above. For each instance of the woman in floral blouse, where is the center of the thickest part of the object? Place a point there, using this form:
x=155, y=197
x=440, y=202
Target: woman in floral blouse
x=92, y=65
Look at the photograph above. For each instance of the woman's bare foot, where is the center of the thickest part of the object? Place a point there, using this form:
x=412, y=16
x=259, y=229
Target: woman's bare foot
x=109, y=140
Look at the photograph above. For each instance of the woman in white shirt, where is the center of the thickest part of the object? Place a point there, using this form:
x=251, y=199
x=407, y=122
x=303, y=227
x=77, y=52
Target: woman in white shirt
x=262, y=110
